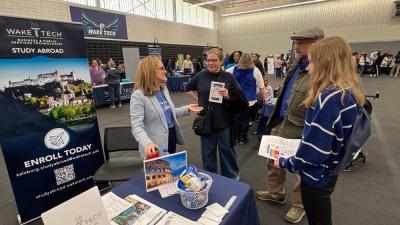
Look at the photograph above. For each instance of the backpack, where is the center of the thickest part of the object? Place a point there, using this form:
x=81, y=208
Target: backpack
x=359, y=134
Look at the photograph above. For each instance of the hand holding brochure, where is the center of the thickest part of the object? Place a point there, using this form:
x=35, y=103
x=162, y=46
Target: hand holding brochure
x=215, y=96
x=274, y=147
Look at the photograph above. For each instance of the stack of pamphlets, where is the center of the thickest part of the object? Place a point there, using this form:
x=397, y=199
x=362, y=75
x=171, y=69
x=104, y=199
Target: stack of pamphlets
x=132, y=210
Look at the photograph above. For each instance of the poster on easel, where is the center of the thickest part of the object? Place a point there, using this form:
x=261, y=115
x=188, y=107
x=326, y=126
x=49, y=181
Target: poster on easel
x=49, y=133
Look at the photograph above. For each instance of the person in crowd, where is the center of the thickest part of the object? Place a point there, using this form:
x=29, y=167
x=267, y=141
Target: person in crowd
x=204, y=60
x=363, y=62
x=121, y=67
x=97, y=74
x=287, y=120
x=226, y=60
x=153, y=114
x=171, y=67
x=278, y=67
x=266, y=64
x=234, y=59
x=377, y=60
x=113, y=78
x=332, y=108
x=262, y=119
x=386, y=63
x=396, y=67
x=187, y=65
x=106, y=66
x=257, y=63
x=268, y=90
x=249, y=79
x=222, y=114
x=199, y=64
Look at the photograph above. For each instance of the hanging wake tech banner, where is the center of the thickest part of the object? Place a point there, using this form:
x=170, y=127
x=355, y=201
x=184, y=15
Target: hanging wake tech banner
x=48, y=126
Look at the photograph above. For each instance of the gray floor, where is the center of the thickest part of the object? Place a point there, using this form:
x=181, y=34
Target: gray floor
x=368, y=195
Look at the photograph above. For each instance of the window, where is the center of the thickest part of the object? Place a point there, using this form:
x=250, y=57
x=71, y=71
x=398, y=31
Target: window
x=83, y=2
x=160, y=9
x=195, y=15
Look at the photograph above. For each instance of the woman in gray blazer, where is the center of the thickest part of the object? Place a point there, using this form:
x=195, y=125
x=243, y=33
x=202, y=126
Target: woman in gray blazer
x=153, y=114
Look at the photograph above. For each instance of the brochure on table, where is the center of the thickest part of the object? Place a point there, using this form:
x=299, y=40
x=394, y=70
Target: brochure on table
x=274, y=147
x=85, y=208
x=164, y=170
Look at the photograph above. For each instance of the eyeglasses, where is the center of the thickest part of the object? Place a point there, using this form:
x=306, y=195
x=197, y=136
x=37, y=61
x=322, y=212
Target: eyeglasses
x=161, y=68
x=212, y=60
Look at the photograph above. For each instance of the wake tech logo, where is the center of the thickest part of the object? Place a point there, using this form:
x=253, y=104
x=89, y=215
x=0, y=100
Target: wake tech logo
x=56, y=139
x=103, y=30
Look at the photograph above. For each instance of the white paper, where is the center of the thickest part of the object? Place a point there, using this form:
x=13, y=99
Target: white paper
x=80, y=209
x=230, y=202
x=206, y=221
x=217, y=209
x=172, y=218
x=114, y=205
x=274, y=147
x=209, y=215
x=214, y=92
x=142, y=213
x=169, y=189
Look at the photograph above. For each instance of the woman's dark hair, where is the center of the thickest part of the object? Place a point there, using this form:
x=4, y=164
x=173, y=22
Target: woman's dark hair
x=231, y=59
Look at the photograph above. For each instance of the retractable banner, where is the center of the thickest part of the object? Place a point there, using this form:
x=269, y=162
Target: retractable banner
x=48, y=127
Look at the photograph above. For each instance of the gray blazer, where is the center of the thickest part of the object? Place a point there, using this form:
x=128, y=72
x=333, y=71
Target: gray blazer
x=148, y=120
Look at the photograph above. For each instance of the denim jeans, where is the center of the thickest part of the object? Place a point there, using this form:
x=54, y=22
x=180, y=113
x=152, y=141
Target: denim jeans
x=115, y=92
x=278, y=72
x=227, y=154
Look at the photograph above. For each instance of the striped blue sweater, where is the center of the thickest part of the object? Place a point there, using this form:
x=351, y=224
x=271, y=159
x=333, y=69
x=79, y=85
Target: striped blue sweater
x=328, y=123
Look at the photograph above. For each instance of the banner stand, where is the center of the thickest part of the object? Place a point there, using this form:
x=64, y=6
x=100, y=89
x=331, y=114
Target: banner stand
x=49, y=133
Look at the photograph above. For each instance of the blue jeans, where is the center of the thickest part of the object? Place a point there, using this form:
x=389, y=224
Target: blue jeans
x=115, y=92
x=278, y=72
x=227, y=154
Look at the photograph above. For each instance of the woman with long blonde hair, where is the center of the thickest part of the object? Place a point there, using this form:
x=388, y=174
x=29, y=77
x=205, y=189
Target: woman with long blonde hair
x=153, y=114
x=332, y=107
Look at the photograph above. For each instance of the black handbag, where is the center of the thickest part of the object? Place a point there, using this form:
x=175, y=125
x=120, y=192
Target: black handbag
x=202, y=124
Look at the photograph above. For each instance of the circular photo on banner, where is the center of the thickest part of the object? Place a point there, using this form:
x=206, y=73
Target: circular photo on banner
x=56, y=138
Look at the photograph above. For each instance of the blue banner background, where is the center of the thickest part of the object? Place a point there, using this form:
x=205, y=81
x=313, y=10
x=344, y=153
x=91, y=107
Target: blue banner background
x=97, y=24
x=29, y=101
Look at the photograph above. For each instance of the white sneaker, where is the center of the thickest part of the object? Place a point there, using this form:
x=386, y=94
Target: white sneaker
x=112, y=106
x=119, y=105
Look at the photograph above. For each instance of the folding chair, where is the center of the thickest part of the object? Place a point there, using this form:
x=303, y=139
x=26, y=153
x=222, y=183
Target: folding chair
x=122, y=162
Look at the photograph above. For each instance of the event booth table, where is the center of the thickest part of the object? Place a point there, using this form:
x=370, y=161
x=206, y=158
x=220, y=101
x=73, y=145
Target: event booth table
x=177, y=83
x=102, y=97
x=242, y=212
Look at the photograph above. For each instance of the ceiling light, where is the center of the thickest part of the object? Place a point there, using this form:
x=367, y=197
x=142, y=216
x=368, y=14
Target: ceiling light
x=275, y=7
x=205, y=3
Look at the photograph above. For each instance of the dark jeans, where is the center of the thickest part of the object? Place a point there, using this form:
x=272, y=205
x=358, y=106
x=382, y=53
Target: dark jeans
x=171, y=140
x=362, y=68
x=227, y=154
x=243, y=119
x=115, y=92
x=317, y=202
x=278, y=72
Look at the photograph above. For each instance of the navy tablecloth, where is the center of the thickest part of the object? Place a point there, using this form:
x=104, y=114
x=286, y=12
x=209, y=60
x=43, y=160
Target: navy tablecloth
x=242, y=212
x=102, y=97
x=177, y=83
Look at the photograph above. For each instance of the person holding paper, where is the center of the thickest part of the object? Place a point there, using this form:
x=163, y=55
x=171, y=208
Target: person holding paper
x=332, y=108
x=223, y=105
x=287, y=121
x=153, y=114
x=249, y=79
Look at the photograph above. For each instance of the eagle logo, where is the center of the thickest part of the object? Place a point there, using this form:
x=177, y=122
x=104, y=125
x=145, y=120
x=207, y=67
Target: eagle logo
x=89, y=23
